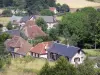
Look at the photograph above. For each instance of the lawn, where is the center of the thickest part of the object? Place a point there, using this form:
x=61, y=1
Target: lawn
x=20, y=67
x=92, y=52
x=78, y=3
x=4, y=20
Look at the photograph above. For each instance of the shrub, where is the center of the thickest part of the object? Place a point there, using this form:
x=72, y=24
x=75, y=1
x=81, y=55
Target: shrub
x=7, y=13
x=46, y=12
x=9, y=26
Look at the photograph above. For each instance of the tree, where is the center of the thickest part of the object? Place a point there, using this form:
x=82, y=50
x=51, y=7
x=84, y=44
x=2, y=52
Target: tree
x=65, y=8
x=62, y=67
x=40, y=22
x=45, y=70
x=87, y=68
x=46, y=12
x=9, y=26
x=7, y=13
x=53, y=33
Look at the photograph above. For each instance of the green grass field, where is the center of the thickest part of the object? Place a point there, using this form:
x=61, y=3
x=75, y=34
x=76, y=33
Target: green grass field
x=4, y=20
x=20, y=67
x=92, y=52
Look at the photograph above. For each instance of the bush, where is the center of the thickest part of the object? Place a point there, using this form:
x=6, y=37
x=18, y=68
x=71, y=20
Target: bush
x=87, y=46
x=9, y=26
x=7, y=13
x=46, y=12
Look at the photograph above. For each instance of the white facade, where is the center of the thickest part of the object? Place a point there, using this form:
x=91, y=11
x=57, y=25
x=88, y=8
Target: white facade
x=43, y=56
x=78, y=58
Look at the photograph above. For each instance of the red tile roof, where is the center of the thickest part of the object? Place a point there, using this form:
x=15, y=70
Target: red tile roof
x=52, y=9
x=34, y=31
x=30, y=23
x=41, y=47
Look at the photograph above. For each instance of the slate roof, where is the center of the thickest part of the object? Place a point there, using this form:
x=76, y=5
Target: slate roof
x=16, y=18
x=12, y=32
x=18, y=42
x=25, y=19
x=40, y=48
x=48, y=19
x=64, y=50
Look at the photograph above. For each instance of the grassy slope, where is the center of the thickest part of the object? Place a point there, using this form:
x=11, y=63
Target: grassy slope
x=19, y=67
x=4, y=20
x=92, y=52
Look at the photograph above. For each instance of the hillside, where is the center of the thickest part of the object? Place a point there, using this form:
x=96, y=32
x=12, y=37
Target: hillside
x=78, y=3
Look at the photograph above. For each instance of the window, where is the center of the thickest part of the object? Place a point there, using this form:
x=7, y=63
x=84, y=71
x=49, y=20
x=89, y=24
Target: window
x=77, y=59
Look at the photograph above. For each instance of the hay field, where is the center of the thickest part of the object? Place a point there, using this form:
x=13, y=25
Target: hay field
x=4, y=20
x=78, y=3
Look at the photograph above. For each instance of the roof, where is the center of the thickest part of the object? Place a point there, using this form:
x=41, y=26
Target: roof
x=12, y=32
x=64, y=50
x=34, y=31
x=52, y=9
x=18, y=42
x=40, y=48
x=30, y=23
x=25, y=19
x=48, y=19
x=78, y=3
x=17, y=18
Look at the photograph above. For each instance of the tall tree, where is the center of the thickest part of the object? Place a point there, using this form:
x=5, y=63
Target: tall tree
x=40, y=22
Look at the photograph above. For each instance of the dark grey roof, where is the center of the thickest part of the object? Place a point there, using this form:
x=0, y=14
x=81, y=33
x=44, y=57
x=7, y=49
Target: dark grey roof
x=13, y=32
x=25, y=18
x=17, y=18
x=48, y=19
x=63, y=50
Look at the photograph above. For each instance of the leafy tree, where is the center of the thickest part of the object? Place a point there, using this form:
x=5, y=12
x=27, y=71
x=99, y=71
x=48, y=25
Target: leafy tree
x=40, y=22
x=65, y=8
x=1, y=3
x=45, y=70
x=7, y=3
x=46, y=12
x=87, y=68
x=7, y=13
x=9, y=26
x=53, y=33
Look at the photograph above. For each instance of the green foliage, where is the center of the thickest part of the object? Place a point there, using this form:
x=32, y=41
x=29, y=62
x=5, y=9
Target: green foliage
x=62, y=8
x=62, y=67
x=53, y=33
x=87, y=68
x=46, y=12
x=34, y=6
x=7, y=13
x=4, y=37
x=41, y=23
x=9, y=26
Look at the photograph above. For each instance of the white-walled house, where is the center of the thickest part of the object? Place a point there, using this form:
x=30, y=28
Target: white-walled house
x=73, y=54
x=40, y=50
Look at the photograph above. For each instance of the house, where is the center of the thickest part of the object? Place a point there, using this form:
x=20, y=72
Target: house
x=53, y=9
x=17, y=46
x=73, y=54
x=4, y=29
x=15, y=19
x=50, y=20
x=32, y=31
x=40, y=50
x=25, y=19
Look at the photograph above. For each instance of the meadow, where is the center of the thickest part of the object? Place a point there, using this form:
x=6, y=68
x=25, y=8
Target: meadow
x=4, y=20
x=23, y=66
